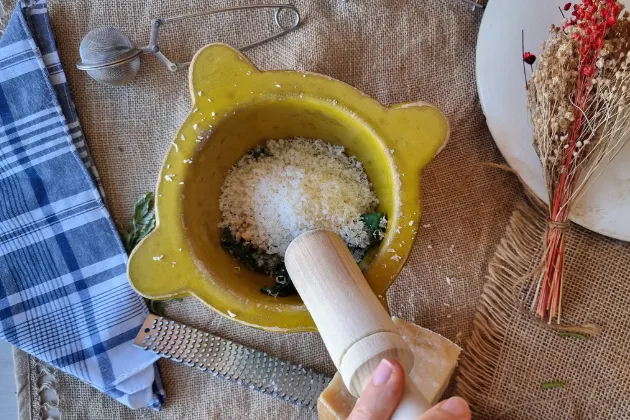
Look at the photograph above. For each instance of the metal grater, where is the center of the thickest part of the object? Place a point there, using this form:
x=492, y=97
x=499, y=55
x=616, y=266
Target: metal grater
x=243, y=365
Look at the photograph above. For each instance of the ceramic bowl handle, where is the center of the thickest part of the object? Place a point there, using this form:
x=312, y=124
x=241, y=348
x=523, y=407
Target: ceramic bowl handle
x=431, y=131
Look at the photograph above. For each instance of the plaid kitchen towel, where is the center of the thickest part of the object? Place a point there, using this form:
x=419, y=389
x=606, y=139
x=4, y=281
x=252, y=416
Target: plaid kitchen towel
x=64, y=295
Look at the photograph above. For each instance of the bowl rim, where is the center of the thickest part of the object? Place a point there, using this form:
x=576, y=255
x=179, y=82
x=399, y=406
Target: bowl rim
x=364, y=107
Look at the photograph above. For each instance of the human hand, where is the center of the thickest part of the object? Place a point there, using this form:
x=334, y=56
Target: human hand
x=382, y=394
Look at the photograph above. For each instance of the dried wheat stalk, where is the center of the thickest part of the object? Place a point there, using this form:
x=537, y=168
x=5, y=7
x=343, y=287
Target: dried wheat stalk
x=580, y=107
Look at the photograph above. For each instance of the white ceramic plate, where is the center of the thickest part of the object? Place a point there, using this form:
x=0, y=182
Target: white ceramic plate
x=605, y=207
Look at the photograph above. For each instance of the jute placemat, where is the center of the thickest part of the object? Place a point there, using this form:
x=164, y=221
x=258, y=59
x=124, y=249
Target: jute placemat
x=393, y=50
x=510, y=355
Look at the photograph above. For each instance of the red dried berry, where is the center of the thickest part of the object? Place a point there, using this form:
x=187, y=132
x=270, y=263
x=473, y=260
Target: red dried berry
x=567, y=7
x=611, y=21
x=529, y=58
x=587, y=71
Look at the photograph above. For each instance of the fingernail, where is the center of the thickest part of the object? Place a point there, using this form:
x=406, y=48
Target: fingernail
x=455, y=406
x=383, y=372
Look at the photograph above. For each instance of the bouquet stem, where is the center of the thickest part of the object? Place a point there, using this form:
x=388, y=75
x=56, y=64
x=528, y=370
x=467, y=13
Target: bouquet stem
x=550, y=298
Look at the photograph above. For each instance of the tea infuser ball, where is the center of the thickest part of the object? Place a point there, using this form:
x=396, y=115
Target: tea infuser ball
x=109, y=56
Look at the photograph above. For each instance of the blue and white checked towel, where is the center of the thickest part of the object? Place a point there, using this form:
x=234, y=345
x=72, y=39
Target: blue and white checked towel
x=64, y=294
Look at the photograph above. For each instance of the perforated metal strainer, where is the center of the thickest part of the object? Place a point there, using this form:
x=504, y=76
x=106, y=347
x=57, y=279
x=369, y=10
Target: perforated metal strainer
x=110, y=57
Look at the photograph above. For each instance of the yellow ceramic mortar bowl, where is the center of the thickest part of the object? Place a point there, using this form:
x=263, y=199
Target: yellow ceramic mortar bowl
x=236, y=107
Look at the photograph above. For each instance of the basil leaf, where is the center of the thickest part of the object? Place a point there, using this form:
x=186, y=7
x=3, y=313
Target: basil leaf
x=156, y=306
x=553, y=384
x=143, y=223
x=374, y=223
x=242, y=251
x=284, y=286
x=273, y=265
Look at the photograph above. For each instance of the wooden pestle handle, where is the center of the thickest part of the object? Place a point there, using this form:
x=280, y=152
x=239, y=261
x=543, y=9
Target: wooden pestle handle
x=356, y=329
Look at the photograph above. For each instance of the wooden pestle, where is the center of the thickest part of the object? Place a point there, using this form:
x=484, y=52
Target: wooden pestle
x=356, y=329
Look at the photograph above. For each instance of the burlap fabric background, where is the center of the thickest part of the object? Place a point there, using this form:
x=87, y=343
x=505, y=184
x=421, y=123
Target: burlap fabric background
x=393, y=50
x=510, y=355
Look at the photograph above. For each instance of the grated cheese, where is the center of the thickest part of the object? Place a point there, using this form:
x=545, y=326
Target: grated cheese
x=303, y=185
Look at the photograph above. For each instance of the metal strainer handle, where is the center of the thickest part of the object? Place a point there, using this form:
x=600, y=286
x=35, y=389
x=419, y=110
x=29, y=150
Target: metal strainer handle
x=154, y=48
x=110, y=57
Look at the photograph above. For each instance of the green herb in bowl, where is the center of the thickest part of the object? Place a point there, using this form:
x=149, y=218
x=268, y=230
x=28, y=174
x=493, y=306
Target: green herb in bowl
x=287, y=187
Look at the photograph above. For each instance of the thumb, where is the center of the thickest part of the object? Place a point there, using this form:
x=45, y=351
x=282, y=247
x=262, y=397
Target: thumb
x=454, y=408
x=382, y=394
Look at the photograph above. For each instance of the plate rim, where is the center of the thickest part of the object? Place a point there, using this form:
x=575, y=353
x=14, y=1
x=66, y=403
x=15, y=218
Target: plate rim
x=578, y=219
